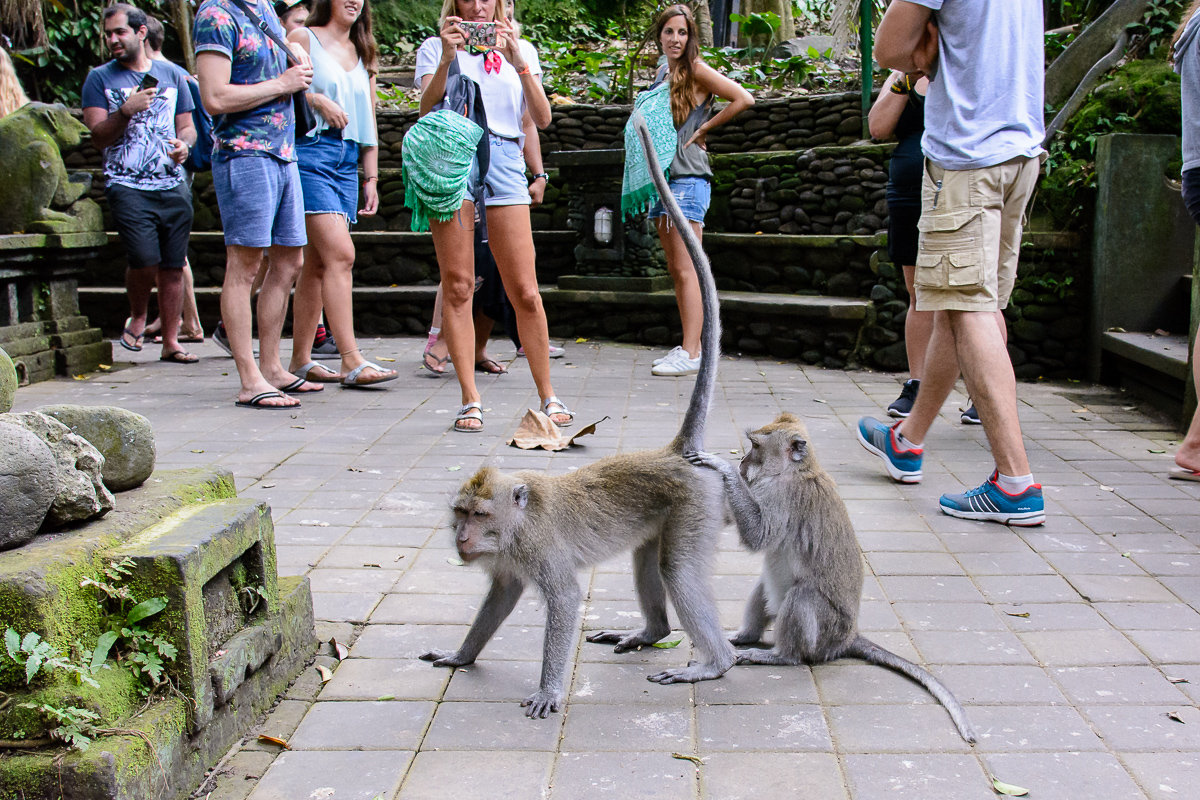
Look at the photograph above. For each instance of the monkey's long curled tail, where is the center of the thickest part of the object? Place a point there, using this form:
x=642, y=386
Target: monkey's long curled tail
x=872, y=653
x=691, y=431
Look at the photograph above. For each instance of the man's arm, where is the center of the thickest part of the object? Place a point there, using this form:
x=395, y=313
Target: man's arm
x=106, y=128
x=907, y=38
x=219, y=96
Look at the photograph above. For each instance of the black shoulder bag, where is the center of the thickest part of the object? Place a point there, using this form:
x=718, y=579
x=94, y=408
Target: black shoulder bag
x=306, y=118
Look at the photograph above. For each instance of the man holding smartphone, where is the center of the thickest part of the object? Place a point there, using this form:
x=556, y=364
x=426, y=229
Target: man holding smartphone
x=139, y=113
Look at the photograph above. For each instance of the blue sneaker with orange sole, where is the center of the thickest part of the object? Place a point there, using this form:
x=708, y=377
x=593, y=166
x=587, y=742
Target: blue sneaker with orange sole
x=990, y=503
x=880, y=438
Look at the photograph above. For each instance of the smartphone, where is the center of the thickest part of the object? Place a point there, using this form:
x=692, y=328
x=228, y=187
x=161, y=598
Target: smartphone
x=479, y=34
x=148, y=82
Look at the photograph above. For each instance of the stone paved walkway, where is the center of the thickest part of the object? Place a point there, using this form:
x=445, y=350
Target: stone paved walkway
x=1069, y=644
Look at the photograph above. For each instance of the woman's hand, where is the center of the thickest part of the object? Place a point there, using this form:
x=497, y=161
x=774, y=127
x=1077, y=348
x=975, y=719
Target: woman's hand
x=330, y=111
x=370, y=198
x=537, y=191
x=698, y=138
x=508, y=43
x=453, y=39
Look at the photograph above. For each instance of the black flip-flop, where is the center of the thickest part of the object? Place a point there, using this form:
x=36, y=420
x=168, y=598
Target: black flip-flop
x=481, y=366
x=257, y=402
x=137, y=338
x=180, y=357
x=294, y=387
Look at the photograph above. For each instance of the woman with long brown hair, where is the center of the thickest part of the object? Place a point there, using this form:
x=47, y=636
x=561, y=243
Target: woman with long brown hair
x=338, y=38
x=1185, y=53
x=693, y=84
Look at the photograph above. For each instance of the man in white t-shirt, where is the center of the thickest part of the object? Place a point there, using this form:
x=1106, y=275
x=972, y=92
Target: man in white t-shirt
x=982, y=143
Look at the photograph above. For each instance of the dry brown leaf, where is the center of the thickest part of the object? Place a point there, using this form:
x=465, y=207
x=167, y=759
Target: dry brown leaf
x=1176, y=680
x=339, y=649
x=685, y=757
x=273, y=740
x=325, y=672
x=376, y=566
x=1022, y=614
x=1174, y=715
x=536, y=430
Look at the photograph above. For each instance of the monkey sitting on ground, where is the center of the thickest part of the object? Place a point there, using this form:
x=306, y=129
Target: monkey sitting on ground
x=529, y=527
x=788, y=507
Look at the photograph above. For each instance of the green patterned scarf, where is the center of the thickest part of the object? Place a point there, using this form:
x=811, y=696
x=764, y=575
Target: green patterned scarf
x=436, y=160
x=637, y=188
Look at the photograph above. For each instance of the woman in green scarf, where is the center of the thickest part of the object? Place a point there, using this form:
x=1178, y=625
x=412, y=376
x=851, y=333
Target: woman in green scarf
x=691, y=85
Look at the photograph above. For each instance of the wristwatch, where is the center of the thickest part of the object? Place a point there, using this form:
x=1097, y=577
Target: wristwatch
x=545, y=175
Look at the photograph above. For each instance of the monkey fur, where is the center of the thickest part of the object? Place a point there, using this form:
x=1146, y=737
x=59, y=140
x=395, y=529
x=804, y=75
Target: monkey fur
x=787, y=507
x=533, y=528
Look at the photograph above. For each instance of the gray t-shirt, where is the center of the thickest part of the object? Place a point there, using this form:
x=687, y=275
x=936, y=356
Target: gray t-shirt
x=985, y=101
x=1187, y=64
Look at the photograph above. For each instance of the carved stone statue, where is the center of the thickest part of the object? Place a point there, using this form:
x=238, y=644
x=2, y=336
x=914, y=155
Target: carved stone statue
x=37, y=195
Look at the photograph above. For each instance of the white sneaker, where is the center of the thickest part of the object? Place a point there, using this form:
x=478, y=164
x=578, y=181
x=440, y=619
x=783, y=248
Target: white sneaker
x=668, y=356
x=555, y=352
x=677, y=364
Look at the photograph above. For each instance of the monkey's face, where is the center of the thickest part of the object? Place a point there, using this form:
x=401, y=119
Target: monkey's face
x=487, y=512
x=775, y=449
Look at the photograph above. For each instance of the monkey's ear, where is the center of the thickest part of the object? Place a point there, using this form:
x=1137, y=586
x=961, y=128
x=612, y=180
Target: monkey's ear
x=520, y=495
x=799, y=448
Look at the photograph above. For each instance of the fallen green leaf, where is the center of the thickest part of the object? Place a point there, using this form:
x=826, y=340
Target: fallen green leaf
x=667, y=645
x=1007, y=788
x=454, y=562
x=685, y=757
x=453, y=469
x=1156, y=451
x=387, y=697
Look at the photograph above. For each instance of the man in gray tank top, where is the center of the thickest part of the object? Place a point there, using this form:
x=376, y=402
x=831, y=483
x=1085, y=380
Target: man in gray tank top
x=983, y=135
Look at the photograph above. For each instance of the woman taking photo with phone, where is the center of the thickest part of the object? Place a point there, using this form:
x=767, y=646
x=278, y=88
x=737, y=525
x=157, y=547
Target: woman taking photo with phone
x=339, y=41
x=509, y=76
x=692, y=86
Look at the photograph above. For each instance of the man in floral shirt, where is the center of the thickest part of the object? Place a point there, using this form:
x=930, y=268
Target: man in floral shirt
x=247, y=86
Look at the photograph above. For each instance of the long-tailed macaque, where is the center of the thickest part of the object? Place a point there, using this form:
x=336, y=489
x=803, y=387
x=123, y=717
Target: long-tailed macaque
x=532, y=528
x=787, y=507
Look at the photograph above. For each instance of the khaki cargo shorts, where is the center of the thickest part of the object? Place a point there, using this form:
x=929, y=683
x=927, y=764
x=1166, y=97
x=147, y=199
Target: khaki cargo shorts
x=971, y=223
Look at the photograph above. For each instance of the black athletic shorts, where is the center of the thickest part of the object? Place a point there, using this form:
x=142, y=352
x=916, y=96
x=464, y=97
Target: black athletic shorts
x=1191, y=193
x=154, y=225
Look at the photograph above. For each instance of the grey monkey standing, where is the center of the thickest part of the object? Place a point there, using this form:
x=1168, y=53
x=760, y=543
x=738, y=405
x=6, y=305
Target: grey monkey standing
x=529, y=527
x=788, y=507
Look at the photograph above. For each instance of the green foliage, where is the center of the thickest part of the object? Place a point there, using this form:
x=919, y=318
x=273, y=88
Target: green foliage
x=137, y=648
x=401, y=25
x=1152, y=34
x=75, y=726
x=37, y=655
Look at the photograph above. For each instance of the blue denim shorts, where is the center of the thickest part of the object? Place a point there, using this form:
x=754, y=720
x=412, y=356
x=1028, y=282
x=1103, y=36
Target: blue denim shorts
x=505, y=181
x=329, y=174
x=693, y=196
x=260, y=201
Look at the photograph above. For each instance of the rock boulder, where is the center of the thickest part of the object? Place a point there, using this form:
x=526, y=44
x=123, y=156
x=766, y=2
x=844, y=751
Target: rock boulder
x=8, y=382
x=28, y=484
x=81, y=492
x=124, y=438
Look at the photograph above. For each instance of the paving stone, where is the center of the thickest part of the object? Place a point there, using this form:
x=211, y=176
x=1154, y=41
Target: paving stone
x=333, y=775
x=345, y=556
x=891, y=563
x=1057, y=541
x=755, y=776
x=492, y=774
x=624, y=775
x=761, y=727
x=1065, y=776
x=759, y=684
x=1081, y=648
x=899, y=541
x=970, y=647
x=1169, y=563
x=510, y=643
x=626, y=683
x=854, y=683
x=1000, y=685
x=1026, y=728
x=238, y=777
x=495, y=681
x=926, y=589
x=344, y=606
x=374, y=678
x=363, y=725
x=1168, y=645
x=1021, y=562
x=1110, y=563
x=353, y=580
x=1150, y=616
x=491, y=726
x=603, y=727
x=1027, y=589
x=1187, y=672
x=1152, y=542
x=280, y=722
x=1117, y=685
x=1165, y=776
x=1051, y=617
x=948, y=616
x=925, y=728
x=1146, y=728
x=428, y=609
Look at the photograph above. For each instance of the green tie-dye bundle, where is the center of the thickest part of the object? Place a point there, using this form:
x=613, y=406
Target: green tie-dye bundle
x=637, y=187
x=436, y=159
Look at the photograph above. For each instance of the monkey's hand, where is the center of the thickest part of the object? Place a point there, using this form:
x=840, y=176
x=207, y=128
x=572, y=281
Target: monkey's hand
x=539, y=704
x=446, y=658
x=626, y=640
x=703, y=459
x=759, y=656
x=693, y=672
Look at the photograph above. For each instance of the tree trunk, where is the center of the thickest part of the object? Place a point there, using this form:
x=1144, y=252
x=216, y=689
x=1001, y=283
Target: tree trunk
x=704, y=22
x=181, y=18
x=1069, y=69
x=782, y=8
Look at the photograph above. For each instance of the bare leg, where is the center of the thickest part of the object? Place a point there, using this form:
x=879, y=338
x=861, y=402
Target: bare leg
x=483, y=332
x=454, y=243
x=941, y=371
x=1188, y=455
x=989, y=375
x=138, y=285
x=754, y=618
x=241, y=265
x=306, y=306
x=511, y=243
x=273, y=300
x=170, y=304
x=652, y=600
x=191, y=328
x=687, y=285
x=918, y=328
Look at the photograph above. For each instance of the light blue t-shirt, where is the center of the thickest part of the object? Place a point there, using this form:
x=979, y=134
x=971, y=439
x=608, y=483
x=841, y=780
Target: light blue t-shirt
x=350, y=89
x=985, y=100
x=1187, y=64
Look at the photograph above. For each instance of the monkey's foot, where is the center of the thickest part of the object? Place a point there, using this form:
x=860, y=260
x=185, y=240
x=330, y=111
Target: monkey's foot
x=625, y=640
x=743, y=638
x=446, y=658
x=690, y=674
x=759, y=656
x=539, y=704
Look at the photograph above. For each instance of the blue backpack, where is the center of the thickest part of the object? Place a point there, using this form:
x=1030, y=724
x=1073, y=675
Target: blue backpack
x=200, y=156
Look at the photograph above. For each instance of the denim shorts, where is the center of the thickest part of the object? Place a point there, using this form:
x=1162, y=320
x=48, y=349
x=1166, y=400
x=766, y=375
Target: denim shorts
x=329, y=174
x=1191, y=193
x=505, y=184
x=693, y=196
x=154, y=225
x=260, y=201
